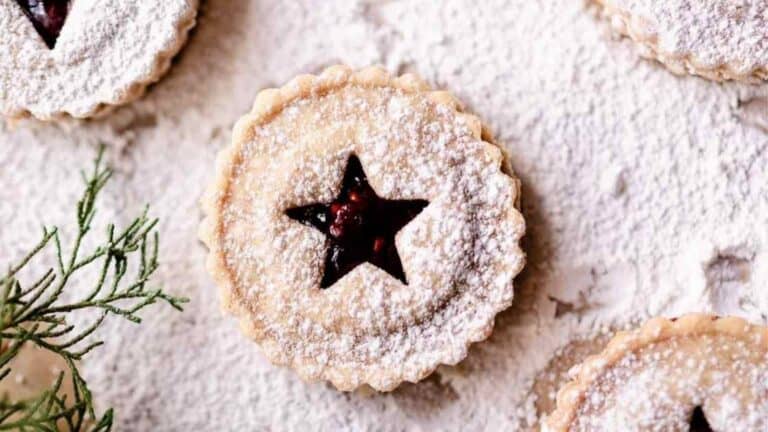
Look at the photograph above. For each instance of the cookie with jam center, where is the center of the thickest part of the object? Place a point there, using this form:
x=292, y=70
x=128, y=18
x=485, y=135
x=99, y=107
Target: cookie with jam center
x=81, y=58
x=362, y=229
x=697, y=373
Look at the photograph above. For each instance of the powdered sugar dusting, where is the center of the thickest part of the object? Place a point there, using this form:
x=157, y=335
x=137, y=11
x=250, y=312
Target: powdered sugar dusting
x=640, y=190
x=657, y=387
x=709, y=34
x=108, y=51
x=460, y=254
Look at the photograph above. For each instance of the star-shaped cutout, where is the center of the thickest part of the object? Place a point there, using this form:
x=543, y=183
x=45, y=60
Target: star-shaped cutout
x=699, y=421
x=360, y=226
x=47, y=16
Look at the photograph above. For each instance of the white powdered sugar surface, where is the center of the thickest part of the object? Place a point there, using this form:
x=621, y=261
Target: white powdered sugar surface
x=644, y=194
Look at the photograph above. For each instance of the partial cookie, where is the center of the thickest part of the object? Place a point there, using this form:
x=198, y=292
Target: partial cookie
x=79, y=58
x=361, y=228
x=34, y=371
x=696, y=373
x=716, y=39
x=556, y=373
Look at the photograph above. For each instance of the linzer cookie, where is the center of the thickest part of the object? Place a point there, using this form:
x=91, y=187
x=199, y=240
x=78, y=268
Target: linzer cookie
x=362, y=229
x=79, y=58
x=697, y=373
x=716, y=39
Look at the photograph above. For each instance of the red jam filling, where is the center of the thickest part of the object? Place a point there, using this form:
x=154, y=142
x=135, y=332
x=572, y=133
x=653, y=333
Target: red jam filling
x=699, y=421
x=47, y=16
x=360, y=226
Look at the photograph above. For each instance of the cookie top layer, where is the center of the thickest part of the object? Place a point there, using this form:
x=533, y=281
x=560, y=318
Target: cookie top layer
x=719, y=39
x=459, y=252
x=695, y=373
x=106, y=53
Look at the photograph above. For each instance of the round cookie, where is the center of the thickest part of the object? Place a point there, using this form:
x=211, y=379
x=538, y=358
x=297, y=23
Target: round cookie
x=362, y=229
x=716, y=39
x=696, y=373
x=80, y=58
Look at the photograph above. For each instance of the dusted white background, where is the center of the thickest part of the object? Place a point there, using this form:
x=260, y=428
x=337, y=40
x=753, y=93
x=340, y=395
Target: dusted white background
x=645, y=194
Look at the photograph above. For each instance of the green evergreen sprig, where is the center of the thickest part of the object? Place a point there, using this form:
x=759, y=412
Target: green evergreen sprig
x=36, y=314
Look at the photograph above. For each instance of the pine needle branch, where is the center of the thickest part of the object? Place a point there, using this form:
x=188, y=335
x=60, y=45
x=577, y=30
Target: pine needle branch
x=36, y=314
